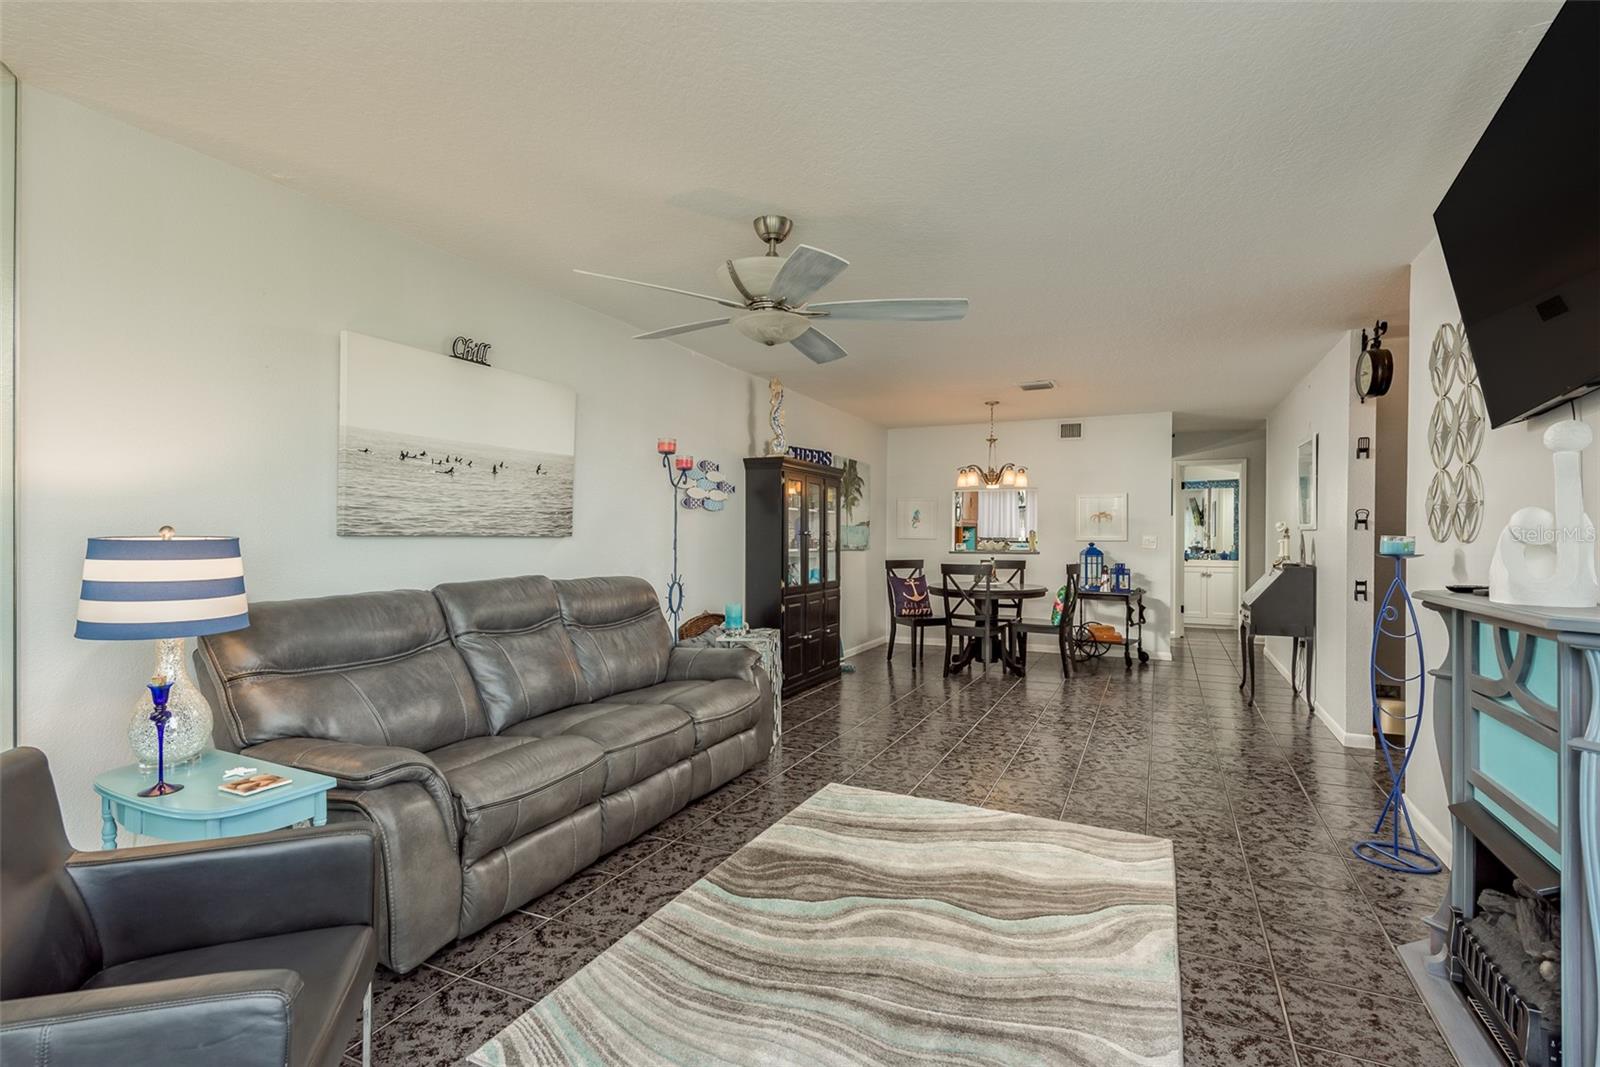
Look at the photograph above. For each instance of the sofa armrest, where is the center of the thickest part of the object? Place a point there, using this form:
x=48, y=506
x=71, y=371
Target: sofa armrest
x=240, y=1018
x=710, y=663
x=167, y=898
x=362, y=767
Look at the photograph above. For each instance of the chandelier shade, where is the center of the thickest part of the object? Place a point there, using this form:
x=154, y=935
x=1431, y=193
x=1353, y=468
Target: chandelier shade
x=1007, y=476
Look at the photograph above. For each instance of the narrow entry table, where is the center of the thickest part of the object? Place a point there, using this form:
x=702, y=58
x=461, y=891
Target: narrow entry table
x=201, y=812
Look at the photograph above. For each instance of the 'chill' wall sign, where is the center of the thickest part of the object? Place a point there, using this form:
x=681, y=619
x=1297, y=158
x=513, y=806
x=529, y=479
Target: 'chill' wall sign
x=471, y=351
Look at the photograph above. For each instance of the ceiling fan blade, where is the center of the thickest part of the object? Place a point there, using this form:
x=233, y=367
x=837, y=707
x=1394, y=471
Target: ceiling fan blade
x=818, y=346
x=663, y=288
x=688, y=327
x=926, y=309
x=805, y=271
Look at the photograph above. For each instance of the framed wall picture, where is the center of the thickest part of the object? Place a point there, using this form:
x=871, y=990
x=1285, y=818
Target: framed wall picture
x=917, y=520
x=431, y=446
x=1306, y=484
x=1102, y=517
x=855, y=533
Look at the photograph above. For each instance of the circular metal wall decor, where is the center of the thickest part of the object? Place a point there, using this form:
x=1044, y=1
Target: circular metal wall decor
x=1466, y=369
x=1443, y=358
x=1441, y=505
x=1469, y=503
x=1472, y=422
x=1442, y=432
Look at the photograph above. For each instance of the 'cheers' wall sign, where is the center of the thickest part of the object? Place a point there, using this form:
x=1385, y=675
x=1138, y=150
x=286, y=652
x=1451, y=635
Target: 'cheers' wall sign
x=471, y=351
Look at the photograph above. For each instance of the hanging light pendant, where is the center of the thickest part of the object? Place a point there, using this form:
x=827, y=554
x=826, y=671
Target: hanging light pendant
x=1009, y=476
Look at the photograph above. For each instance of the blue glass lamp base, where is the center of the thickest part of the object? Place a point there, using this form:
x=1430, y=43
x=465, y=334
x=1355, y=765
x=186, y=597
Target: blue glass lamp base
x=160, y=789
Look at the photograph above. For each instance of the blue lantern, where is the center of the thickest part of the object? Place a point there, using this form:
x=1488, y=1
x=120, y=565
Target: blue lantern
x=1121, y=578
x=1091, y=567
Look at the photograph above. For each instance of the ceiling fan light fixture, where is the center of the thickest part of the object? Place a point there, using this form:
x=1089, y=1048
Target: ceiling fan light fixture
x=771, y=327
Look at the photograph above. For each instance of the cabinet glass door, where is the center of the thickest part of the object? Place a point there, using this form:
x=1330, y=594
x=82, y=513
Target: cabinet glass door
x=793, y=532
x=831, y=534
x=813, y=532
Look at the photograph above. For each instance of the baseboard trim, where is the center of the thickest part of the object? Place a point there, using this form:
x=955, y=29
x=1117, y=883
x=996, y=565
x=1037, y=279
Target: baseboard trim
x=1435, y=838
x=866, y=646
x=1333, y=726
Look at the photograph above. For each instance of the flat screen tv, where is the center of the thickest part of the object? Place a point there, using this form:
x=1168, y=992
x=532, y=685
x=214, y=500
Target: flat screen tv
x=1521, y=228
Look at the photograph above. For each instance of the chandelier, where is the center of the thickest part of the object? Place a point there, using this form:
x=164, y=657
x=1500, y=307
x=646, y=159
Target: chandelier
x=1009, y=476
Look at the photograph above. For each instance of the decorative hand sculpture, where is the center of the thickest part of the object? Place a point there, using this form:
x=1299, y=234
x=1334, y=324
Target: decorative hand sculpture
x=1546, y=559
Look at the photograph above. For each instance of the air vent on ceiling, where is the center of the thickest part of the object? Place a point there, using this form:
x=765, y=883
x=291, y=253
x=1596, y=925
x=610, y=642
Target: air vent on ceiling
x=1072, y=429
x=1038, y=386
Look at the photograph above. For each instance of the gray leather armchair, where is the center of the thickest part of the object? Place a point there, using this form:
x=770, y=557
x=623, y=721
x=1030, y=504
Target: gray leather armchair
x=246, y=951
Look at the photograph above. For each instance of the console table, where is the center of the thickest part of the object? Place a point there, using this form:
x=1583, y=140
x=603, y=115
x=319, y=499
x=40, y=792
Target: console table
x=1516, y=717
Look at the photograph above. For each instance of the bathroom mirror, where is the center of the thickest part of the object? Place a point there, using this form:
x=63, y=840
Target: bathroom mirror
x=995, y=520
x=1210, y=519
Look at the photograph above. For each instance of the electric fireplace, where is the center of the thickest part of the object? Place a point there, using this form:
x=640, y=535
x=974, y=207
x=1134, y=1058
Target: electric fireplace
x=1518, y=734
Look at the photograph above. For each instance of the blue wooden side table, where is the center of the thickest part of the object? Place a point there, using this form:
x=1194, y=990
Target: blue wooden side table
x=201, y=811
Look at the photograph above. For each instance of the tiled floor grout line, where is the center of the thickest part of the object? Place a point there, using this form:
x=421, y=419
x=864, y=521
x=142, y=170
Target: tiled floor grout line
x=1261, y=922
x=1032, y=726
x=986, y=713
x=1088, y=739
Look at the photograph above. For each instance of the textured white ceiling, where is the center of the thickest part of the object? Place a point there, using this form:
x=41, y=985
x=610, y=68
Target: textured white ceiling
x=1160, y=206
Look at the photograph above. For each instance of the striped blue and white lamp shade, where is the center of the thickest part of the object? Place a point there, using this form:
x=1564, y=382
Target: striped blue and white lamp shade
x=144, y=588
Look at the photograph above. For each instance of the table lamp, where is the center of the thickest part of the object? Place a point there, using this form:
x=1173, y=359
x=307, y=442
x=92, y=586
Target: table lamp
x=164, y=588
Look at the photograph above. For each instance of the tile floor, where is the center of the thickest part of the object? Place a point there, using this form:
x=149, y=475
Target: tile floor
x=1286, y=942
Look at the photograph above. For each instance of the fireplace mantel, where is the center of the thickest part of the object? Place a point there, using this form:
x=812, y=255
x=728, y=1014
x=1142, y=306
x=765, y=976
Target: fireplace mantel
x=1514, y=715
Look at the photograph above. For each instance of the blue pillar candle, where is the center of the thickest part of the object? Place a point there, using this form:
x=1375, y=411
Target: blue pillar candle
x=733, y=616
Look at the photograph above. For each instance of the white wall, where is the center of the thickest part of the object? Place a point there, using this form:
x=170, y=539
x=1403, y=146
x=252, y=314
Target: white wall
x=1324, y=403
x=178, y=323
x=1516, y=473
x=1124, y=453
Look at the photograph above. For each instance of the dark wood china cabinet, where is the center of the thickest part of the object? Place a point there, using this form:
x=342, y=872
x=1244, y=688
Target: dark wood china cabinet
x=791, y=563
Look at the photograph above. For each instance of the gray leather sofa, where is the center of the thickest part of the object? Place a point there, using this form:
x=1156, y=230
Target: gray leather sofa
x=250, y=951
x=499, y=735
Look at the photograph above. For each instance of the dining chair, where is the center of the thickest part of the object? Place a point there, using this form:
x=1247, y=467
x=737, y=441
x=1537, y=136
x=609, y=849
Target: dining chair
x=900, y=575
x=1011, y=572
x=1064, y=628
x=966, y=614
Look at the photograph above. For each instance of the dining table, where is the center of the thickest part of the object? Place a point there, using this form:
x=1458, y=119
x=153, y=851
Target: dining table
x=991, y=595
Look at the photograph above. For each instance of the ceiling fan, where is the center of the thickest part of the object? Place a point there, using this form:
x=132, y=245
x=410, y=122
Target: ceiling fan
x=767, y=296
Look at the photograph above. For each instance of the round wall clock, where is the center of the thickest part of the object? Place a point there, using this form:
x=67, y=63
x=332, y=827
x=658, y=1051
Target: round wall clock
x=1374, y=372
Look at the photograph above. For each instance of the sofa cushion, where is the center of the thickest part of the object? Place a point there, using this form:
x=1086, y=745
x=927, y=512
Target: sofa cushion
x=507, y=787
x=617, y=629
x=638, y=739
x=510, y=633
x=372, y=669
x=333, y=963
x=719, y=709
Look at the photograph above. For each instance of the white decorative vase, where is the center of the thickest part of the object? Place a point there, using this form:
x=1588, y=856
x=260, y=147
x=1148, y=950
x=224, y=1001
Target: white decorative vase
x=189, y=730
x=1549, y=560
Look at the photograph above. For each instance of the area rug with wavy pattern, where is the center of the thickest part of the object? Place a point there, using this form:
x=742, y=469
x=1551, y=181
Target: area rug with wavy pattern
x=873, y=928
